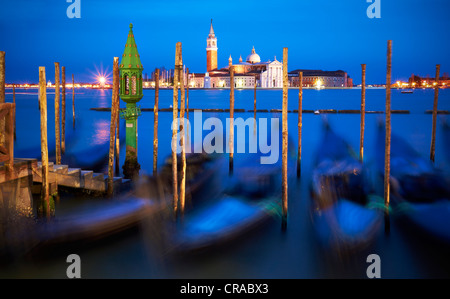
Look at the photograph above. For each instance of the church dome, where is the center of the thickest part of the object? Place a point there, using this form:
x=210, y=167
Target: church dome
x=253, y=58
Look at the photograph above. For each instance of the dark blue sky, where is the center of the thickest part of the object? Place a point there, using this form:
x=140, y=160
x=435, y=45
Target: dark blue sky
x=320, y=34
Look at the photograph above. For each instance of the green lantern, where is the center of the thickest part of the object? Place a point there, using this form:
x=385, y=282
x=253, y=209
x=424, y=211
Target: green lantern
x=131, y=92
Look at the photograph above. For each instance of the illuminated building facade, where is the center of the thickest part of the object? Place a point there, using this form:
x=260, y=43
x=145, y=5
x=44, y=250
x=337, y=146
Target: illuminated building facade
x=247, y=73
x=319, y=78
x=268, y=74
x=424, y=82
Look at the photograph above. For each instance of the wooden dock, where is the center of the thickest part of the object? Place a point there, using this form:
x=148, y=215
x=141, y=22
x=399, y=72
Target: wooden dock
x=27, y=173
x=21, y=168
x=63, y=175
x=15, y=184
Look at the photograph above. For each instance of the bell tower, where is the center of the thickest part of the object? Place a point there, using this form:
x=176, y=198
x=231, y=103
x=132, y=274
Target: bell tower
x=211, y=50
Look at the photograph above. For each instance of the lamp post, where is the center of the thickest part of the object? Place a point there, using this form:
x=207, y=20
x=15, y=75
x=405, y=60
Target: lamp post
x=131, y=92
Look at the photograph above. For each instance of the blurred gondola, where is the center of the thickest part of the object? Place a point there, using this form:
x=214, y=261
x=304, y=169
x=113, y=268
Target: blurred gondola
x=345, y=214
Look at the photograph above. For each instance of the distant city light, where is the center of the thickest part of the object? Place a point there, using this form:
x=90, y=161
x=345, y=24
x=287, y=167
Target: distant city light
x=101, y=77
x=318, y=83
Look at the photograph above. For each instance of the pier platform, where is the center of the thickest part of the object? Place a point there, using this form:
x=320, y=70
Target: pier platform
x=19, y=183
x=63, y=175
x=15, y=184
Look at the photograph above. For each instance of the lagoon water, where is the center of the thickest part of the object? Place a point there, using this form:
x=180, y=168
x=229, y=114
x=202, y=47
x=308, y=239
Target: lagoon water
x=269, y=252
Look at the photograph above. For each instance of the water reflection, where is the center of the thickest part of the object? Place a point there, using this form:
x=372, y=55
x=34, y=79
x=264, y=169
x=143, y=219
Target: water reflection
x=102, y=132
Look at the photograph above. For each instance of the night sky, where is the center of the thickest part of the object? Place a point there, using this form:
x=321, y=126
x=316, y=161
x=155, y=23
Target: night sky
x=320, y=34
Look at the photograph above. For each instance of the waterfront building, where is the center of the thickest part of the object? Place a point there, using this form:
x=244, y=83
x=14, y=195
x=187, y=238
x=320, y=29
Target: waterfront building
x=197, y=80
x=240, y=80
x=417, y=81
x=265, y=74
x=207, y=81
x=319, y=78
x=272, y=77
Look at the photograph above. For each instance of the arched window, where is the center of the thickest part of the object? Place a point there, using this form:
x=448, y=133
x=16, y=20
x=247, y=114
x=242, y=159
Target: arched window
x=133, y=85
x=127, y=84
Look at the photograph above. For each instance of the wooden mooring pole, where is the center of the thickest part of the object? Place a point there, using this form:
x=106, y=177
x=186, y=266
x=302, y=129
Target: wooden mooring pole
x=363, y=112
x=285, y=141
x=435, y=106
x=63, y=111
x=112, y=130
x=57, y=114
x=387, y=152
x=254, y=107
x=117, y=156
x=187, y=106
x=44, y=145
x=2, y=77
x=155, y=124
x=183, y=148
x=178, y=65
x=73, y=102
x=231, y=141
x=300, y=123
x=14, y=102
x=187, y=94
x=2, y=92
x=254, y=98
